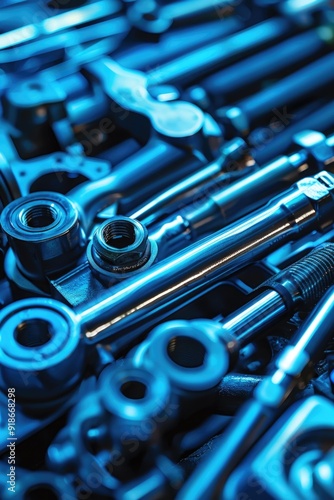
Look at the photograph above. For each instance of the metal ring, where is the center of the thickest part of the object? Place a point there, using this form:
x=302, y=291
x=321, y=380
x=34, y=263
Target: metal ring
x=41, y=353
x=210, y=359
x=134, y=393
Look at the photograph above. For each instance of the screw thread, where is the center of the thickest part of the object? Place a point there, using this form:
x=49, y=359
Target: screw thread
x=314, y=274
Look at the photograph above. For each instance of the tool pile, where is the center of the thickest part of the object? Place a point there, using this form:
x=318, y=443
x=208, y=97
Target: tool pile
x=167, y=249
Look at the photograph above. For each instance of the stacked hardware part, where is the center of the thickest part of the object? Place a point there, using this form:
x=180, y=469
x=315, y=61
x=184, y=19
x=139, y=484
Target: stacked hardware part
x=166, y=249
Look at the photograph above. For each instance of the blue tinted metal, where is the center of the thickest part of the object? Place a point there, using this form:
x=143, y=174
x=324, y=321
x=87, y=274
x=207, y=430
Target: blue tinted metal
x=166, y=249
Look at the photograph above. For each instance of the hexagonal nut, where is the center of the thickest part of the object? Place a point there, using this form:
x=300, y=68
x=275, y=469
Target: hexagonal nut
x=121, y=242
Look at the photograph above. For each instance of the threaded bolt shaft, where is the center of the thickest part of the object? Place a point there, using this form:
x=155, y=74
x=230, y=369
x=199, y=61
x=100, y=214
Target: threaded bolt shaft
x=311, y=276
x=301, y=284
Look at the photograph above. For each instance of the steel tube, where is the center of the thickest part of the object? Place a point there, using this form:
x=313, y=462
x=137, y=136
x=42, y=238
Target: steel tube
x=255, y=316
x=135, y=306
x=263, y=65
x=292, y=88
x=150, y=55
x=226, y=205
x=321, y=119
x=190, y=67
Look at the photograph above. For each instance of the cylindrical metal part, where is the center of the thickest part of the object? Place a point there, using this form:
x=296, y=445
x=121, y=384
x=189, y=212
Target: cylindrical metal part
x=256, y=416
x=317, y=330
x=255, y=316
x=320, y=119
x=308, y=279
x=191, y=353
x=169, y=47
x=302, y=283
x=139, y=303
x=41, y=352
x=44, y=232
x=227, y=204
x=233, y=162
x=286, y=91
x=133, y=397
x=267, y=63
x=120, y=247
x=190, y=67
x=121, y=242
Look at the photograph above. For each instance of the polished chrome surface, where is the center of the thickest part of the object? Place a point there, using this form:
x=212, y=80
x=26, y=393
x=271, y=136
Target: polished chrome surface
x=166, y=249
x=165, y=285
x=268, y=397
x=255, y=317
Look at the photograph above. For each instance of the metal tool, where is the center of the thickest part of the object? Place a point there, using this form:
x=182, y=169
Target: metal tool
x=149, y=17
x=178, y=122
x=216, y=206
x=197, y=354
x=149, y=54
x=39, y=329
x=189, y=68
x=266, y=64
x=305, y=207
x=157, y=161
x=56, y=171
x=233, y=162
x=167, y=210
x=45, y=234
x=60, y=22
x=292, y=372
x=274, y=144
x=288, y=444
x=244, y=114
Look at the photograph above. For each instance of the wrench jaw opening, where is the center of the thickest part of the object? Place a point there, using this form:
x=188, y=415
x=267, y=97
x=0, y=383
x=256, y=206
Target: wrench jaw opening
x=133, y=108
x=152, y=19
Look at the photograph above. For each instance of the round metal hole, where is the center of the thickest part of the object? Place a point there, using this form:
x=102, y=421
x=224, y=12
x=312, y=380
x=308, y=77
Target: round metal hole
x=39, y=216
x=33, y=333
x=150, y=16
x=186, y=351
x=134, y=389
x=119, y=234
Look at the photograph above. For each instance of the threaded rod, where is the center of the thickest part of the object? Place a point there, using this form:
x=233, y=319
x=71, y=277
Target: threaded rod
x=302, y=283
